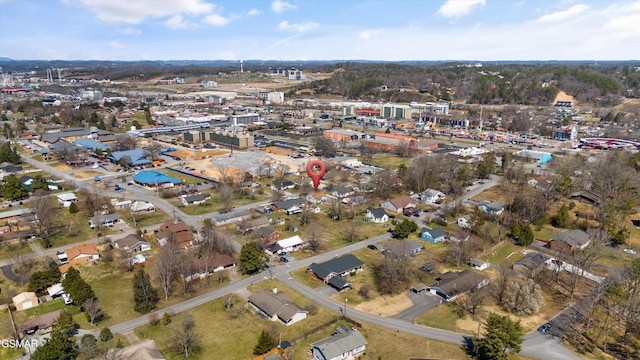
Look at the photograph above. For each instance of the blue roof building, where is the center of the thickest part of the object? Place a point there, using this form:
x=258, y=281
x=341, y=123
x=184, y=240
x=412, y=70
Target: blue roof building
x=137, y=156
x=153, y=178
x=89, y=144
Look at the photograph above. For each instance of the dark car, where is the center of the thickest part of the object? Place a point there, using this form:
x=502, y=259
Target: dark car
x=372, y=247
x=284, y=259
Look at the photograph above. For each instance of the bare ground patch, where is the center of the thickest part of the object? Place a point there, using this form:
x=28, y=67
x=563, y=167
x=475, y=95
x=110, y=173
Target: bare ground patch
x=389, y=306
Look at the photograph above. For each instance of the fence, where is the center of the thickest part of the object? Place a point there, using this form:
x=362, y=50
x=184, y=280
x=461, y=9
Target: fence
x=492, y=249
x=323, y=326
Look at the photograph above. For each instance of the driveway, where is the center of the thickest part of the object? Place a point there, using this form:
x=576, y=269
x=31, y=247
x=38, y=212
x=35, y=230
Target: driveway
x=9, y=274
x=423, y=302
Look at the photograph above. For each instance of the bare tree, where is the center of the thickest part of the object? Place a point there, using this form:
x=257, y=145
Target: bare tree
x=523, y=296
x=186, y=269
x=165, y=266
x=43, y=207
x=391, y=275
x=459, y=251
x=352, y=231
x=472, y=299
x=93, y=310
x=335, y=211
x=184, y=338
x=314, y=233
x=23, y=266
x=153, y=151
x=125, y=142
x=500, y=285
x=225, y=193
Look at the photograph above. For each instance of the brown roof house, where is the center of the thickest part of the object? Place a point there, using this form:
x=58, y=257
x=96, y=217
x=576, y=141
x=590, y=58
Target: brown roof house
x=213, y=264
x=277, y=306
x=268, y=234
x=41, y=322
x=133, y=243
x=451, y=284
x=569, y=241
x=175, y=231
x=82, y=253
x=25, y=300
x=398, y=205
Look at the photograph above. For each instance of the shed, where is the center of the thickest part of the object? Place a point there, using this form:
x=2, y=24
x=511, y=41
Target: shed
x=25, y=300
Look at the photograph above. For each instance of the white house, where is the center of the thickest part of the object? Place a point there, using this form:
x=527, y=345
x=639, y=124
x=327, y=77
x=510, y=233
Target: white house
x=376, y=215
x=431, y=196
x=343, y=344
x=291, y=244
x=277, y=306
x=65, y=199
x=142, y=207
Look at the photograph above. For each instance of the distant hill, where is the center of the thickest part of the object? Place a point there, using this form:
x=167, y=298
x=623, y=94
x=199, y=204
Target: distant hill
x=3, y=59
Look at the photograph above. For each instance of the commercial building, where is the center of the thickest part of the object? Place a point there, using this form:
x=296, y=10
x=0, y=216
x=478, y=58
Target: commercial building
x=223, y=137
x=396, y=111
x=246, y=119
x=342, y=135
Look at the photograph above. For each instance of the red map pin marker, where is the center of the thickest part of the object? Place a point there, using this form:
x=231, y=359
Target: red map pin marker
x=316, y=171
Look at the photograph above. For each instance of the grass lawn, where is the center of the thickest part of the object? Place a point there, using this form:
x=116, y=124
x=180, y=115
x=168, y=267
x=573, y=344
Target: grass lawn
x=180, y=176
x=140, y=117
x=7, y=353
x=6, y=329
x=388, y=161
x=104, y=277
x=144, y=219
x=9, y=250
x=506, y=253
x=45, y=307
x=214, y=204
x=233, y=337
x=442, y=317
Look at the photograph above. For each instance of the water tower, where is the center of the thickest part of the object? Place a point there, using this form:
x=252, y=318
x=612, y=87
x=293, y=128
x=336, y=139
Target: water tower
x=241, y=68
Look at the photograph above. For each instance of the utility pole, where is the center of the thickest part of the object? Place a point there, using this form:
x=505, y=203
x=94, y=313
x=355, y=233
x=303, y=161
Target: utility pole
x=345, y=306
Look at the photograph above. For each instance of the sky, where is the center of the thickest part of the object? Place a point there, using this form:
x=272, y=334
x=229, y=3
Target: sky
x=390, y=30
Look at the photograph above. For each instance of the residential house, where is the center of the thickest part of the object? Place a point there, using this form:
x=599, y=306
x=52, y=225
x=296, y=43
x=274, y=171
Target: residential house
x=82, y=253
x=286, y=245
x=65, y=199
x=231, y=217
x=431, y=196
x=530, y=265
x=343, y=344
x=316, y=197
x=478, y=264
x=25, y=300
x=268, y=234
x=176, y=231
x=403, y=249
x=569, y=241
x=342, y=192
x=208, y=266
x=132, y=243
x=55, y=291
x=491, y=207
x=398, y=205
x=142, y=207
x=277, y=306
x=592, y=197
x=145, y=349
x=291, y=206
x=42, y=322
x=283, y=185
x=103, y=220
x=376, y=215
x=451, y=284
x=336, y=268
x=435, y=235
x=195, y=199
x=246, y=227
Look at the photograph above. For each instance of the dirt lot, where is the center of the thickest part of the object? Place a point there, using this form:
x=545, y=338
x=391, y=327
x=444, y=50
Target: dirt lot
x=562, y=96
x=388, y=306
x=62, y=167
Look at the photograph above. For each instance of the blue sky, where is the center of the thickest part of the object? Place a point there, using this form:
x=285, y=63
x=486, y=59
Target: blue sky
x=320, y=29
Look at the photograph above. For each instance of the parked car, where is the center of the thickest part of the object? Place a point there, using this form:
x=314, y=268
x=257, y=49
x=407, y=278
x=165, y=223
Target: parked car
x=630, y=251
x=284, y=259
x=544, y=327
x=372, y=247
x=67, y=299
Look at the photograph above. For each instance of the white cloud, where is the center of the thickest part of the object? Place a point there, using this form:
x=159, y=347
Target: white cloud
x=458, y=8
x=129, y=31
x=215, y=20
x=253, y=12
x=367, y=34
x=176, y=22
x=116, y=44
x=297, y=27
x=563, y=14
x=135, y=11
x=281, y=6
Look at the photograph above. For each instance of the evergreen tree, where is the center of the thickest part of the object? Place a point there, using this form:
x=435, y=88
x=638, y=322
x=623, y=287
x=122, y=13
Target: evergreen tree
x=265, y=343
x=404, y=229
x=76, y=287
x=60, y=347
x=251, y=258
x=522, y=234
x=561, y=220
x=12, y=188
x=41, y=280
x=65, y=323
x=502, y=335
x=105, y=334
x=145, y=296
x=73, y=208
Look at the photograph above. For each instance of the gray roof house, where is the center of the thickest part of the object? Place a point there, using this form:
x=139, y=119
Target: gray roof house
x=339, y=266
x=277, y=306
x=376, y=215
x=106, y=220
x=531, y=264
x=195, y=199
x=343, y=344
x=569, y=241
x=132, y=243
x=491, y=207
x=451, y=284
x=404, y=249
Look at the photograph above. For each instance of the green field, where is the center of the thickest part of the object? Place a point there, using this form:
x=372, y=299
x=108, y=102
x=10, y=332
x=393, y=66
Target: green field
x=9, y=250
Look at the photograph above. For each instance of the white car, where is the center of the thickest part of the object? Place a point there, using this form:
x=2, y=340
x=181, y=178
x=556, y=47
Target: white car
x=630, y=251
x=67, y=299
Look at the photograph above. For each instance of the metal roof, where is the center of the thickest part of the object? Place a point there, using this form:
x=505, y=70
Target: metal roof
x=154, y=178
